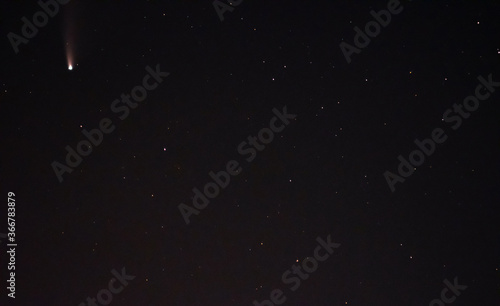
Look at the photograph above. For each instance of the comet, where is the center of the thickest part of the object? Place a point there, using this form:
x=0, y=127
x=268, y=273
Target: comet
x=69, y=56
x=69, y=36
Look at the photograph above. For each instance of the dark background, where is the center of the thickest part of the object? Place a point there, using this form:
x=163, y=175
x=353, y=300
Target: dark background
x=396, y=248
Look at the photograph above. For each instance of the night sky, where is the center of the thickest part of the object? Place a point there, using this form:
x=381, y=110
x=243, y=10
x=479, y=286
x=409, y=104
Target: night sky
x=254, y=153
